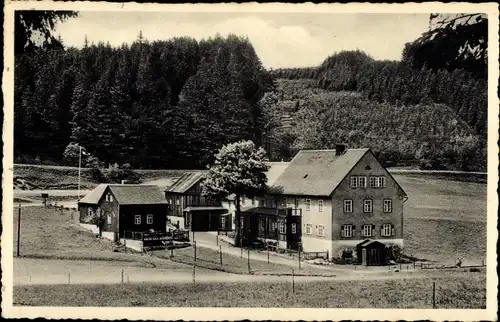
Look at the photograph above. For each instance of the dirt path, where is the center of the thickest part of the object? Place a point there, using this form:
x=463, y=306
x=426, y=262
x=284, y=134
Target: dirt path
x=41, y=271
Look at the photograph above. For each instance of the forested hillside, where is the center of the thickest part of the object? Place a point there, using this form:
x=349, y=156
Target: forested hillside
x=164, y=104
x=171, y=104
x=427, y=134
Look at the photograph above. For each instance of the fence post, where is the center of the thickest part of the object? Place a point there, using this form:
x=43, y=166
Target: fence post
x=122, y=276
x=241, y=248
x=217, y=237
x=268, y=254
x=220, y=252
x=248, y=257
x=299, y=259
x=18, y=229
x=195, y=251
x=194, y=274
x=433, y=295
x=172, y=251
x=293, y=282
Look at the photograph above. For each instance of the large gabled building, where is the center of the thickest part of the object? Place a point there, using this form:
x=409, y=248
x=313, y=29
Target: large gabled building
x=345, y=196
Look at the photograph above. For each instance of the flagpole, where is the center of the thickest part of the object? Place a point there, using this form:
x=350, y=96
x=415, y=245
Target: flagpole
x=79, y=169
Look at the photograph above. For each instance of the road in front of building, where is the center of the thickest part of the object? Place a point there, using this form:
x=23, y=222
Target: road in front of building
x=209, y=240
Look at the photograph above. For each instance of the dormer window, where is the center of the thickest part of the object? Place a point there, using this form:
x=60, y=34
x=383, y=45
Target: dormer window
x=109, y=197
x=367, y=167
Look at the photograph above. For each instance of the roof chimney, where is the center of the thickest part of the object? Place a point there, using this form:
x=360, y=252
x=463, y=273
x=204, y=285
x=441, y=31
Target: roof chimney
x=123, y=181
x=339, y=149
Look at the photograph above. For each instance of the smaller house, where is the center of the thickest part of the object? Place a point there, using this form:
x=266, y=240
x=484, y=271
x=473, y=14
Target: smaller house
x=124, y=208
x=371, y=253
x=190, y=207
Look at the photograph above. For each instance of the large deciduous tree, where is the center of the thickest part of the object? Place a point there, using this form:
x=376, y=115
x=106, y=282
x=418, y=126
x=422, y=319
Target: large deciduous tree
x=239, y=169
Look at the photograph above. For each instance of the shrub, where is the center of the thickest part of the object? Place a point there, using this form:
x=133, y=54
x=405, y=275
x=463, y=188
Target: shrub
x=117, y=174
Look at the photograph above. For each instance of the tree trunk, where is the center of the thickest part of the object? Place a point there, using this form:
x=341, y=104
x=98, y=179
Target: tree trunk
x=237, y=213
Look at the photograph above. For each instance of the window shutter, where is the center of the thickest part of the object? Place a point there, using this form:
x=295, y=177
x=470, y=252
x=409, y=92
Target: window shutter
x=374, y=232
x=392, y=230
x=353, y=231
x=382, y=230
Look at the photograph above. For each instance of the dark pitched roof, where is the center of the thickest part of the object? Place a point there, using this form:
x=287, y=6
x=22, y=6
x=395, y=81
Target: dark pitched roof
x=203, y=208
x=185, y=182
x=95, y=195
x=127, y=194
x=317, y=172
x=369, y=242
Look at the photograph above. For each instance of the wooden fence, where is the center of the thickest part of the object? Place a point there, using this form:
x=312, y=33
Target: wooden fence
x=295, y=253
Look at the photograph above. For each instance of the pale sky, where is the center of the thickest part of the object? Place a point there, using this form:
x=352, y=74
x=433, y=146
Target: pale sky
x=280, y=39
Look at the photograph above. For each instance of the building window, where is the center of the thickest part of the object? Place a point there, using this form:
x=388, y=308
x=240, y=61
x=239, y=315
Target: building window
x=387, y=205
x=109, y=218
x=347, y=231
x=362, y=182
x=320, y=205
x=377, y=182
x=354, y=182
x=321, y=230
x=296, y=203
x=294, y=228
x=223, y=221
x=367, y=231
x=282, y=228
x=347, y=205
x=308, y=229
x=368, y=206
x=262, y=224
x=387, y=230
x=109, y=197
x=308, y=204
x=149, y=219
x=137, y=219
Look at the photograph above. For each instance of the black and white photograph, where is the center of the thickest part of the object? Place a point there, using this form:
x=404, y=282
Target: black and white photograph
x=212, y=161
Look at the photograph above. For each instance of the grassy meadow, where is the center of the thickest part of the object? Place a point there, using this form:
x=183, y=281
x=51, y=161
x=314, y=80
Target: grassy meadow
x=444, y=219
x=467, y=290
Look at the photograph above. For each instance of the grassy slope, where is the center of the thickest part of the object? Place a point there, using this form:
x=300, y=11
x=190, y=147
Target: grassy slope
x=466, y=290
x=58, y=177
x=52, y=234
x=444, y=219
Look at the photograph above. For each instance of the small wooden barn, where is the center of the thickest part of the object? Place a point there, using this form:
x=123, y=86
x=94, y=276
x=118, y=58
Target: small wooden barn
x=125, y=208
x=371, y=253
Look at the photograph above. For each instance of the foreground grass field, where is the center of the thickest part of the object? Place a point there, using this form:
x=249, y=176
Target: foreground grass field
x=467, y=291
